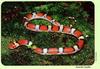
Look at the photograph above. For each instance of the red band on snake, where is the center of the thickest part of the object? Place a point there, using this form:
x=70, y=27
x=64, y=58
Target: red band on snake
x=56, y=27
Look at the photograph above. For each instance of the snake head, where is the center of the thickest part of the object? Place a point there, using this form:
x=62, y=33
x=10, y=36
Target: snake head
x=13, y=45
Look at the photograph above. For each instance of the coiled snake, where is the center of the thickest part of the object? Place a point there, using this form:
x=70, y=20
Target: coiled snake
x=55, y=27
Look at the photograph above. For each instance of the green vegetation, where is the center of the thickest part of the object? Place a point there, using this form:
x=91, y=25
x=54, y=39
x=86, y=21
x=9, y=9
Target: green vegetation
x=12, y=29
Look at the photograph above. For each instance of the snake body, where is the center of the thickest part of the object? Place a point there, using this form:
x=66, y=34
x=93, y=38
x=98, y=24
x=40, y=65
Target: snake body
x=55, y=27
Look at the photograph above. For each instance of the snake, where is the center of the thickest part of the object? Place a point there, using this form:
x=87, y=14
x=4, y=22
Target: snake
x=55, y=27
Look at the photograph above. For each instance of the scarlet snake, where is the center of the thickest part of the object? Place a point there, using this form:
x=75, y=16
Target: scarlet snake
x=56, y=27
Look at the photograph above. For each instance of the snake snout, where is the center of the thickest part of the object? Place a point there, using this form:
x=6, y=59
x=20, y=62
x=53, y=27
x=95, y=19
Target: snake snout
x=11, y=46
